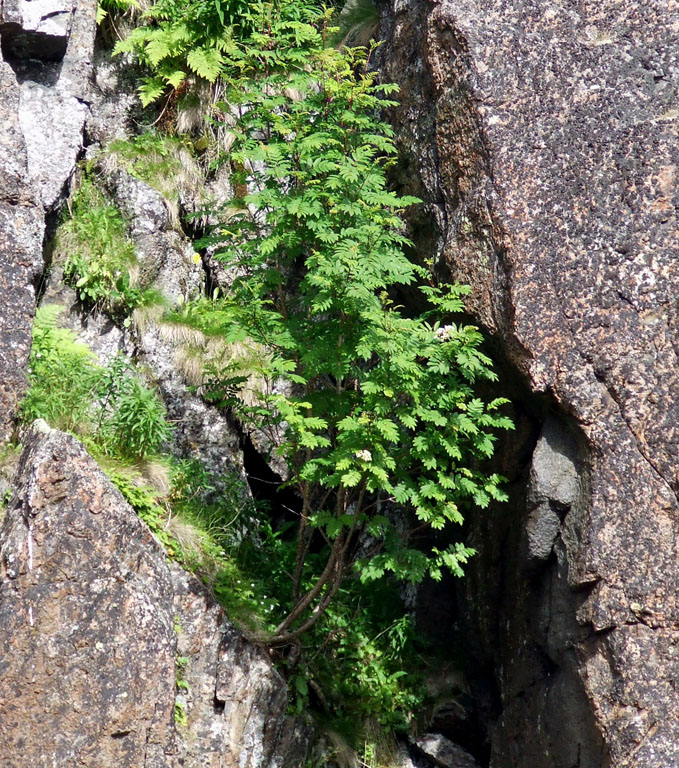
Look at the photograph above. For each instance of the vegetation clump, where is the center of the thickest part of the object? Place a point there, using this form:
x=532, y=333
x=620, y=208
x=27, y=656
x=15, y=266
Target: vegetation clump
x=108, y=405
x=379, y=407
x=166, y=163
x=374, y=409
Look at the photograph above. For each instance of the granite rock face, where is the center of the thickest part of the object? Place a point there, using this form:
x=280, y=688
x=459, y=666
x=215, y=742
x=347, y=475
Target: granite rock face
x=45, y=62
x=544, y=136
x=94, y=621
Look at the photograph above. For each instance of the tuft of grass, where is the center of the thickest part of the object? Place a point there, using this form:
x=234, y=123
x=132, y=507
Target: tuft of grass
x=98, y=256
x=166, y=163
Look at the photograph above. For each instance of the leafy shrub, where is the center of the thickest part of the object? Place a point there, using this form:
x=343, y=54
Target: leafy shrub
x=374, y=409
x=180, y=38
x=380, y=408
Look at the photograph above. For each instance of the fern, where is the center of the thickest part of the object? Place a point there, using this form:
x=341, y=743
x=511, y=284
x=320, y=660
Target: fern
x=206, y=39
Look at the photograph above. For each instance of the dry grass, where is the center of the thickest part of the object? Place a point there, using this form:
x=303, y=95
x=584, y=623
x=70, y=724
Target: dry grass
x=164, y=163
x=158, y=476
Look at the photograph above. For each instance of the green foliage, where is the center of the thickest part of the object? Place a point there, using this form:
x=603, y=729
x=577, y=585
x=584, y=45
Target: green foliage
x=178, y=39
x=375, y=409
x=98, y=254
x=106, y=7
x=72, y=392
x=63, y=375
x=364, y=659
x=9, y=459
x=381, y=407
x=181, y=712
x=227, y=544
x=182, y=686
x=137, y=423
x=204, y=38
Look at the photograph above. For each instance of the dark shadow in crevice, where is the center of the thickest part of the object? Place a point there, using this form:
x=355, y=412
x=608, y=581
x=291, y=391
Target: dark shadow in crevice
x=267, y=486
x=33, y=56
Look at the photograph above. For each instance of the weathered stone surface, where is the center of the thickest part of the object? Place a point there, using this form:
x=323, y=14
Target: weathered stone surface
x=553, y=488
x=49, y=43
x=21, y=232
x=47, y=18
x=45, y=52
x=115, y=102
x=88, y=645
x=165, y=255
x=88, y=652
x=236, y=701
x=443, y=753
x=545, y=138
x=200, y=431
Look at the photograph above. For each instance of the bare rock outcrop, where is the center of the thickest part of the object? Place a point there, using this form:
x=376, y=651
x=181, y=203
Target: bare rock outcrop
x=45, y=63
x=544, y=136
x=94, y=622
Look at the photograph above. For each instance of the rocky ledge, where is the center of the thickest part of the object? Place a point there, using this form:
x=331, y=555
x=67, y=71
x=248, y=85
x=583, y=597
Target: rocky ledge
x=94, y=620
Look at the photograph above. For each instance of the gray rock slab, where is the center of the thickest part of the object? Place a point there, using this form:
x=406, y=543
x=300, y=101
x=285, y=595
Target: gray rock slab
x=443, y=753
x=44, y=82
x=94, y=622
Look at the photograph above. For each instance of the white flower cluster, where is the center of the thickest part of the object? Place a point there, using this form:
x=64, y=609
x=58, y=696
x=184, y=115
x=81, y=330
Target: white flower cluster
x=443, y=333
x=364, y=455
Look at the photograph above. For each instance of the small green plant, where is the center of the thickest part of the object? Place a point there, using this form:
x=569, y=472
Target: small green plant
x=107, y=404
x=63, y=375
x=183, y=687
x=181, y=664
x=137, y=424
x=146, y=504
x=99, y=258
x=181, y=717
